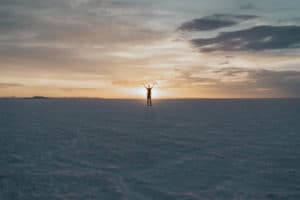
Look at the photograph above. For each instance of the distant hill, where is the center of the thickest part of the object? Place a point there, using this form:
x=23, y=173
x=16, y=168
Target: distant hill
x=39, y=97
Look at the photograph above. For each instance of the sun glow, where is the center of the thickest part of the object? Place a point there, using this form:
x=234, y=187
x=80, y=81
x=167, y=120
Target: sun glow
x=141, y=92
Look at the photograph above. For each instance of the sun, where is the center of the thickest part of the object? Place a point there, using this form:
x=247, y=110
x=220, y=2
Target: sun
x=140, y=92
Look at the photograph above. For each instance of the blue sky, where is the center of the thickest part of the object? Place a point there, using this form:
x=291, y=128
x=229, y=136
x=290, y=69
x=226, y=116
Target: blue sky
x=101, y=48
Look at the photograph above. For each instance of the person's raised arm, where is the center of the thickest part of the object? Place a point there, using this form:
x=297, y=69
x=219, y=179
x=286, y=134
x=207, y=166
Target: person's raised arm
x=153, y=85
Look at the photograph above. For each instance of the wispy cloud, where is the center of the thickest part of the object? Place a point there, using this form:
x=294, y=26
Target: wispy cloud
x=240, y=82
x=10, y=85
x=284, y=83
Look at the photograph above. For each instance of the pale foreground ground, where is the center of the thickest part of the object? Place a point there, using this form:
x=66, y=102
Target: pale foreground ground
x=178, y=149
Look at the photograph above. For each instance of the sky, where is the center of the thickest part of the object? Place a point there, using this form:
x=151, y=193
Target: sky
x=190, y=48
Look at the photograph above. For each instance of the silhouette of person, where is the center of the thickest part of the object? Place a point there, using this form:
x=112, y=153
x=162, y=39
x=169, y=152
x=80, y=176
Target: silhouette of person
x=149, y=91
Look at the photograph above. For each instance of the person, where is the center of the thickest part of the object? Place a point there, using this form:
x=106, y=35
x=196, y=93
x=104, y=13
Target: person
x=149, y=91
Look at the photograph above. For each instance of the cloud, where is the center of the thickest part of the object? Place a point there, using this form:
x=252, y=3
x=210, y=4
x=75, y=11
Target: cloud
x=282, y=83
x=71, y=35
x=9, y=85
x=253, y=39
x=127, y=83
x=248, y=6
x=80, y=23
x=239, y=82
x=214, y=22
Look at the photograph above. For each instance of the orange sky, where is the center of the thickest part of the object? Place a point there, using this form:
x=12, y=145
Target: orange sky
x=90, y=48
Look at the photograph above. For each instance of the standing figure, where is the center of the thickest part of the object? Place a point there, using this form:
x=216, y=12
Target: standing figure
x=149, y=90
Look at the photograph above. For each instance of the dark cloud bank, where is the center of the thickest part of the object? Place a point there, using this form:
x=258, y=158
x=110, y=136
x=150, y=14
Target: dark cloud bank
x=254, y=39
x=214, y=22
x=257, y=38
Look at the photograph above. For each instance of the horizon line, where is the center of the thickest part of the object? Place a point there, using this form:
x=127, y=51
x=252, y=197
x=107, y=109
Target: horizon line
x=155, y=99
